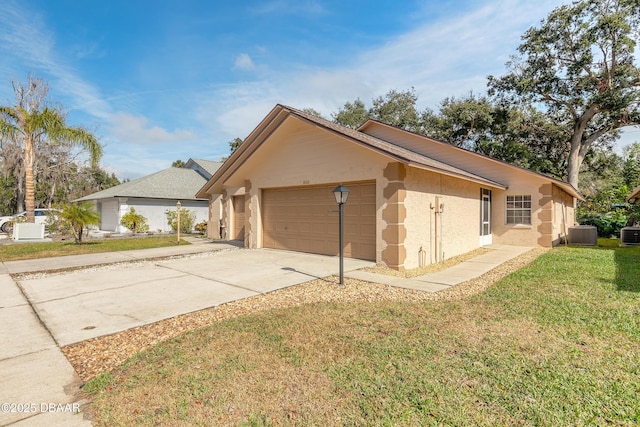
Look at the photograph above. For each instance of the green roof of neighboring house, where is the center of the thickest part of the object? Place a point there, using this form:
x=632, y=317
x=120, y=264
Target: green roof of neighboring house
x=172, y=183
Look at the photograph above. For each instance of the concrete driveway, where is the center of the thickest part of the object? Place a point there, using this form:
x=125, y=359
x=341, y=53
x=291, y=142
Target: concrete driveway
x=41, y=312
x=79, y=305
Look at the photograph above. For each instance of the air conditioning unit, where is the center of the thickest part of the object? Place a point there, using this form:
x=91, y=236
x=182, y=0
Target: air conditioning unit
x=583, y=235
x=630, y=236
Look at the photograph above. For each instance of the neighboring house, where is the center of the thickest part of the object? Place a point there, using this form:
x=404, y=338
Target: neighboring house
x=413, y=200
x=154, y=195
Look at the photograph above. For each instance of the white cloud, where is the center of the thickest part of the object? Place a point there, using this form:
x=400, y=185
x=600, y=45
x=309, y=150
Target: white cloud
x=243, y=62
x=25, y=38
x=449, y=57
x=137, y=130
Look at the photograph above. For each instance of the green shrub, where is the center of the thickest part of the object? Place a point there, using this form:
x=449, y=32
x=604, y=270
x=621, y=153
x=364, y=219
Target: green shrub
x=608, y=224
x=201, y=227
x=78, y=216
x=187, y=219
x=134, y=221
x=55, y=225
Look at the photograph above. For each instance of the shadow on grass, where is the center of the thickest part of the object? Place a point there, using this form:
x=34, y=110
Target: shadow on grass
x=627, y=260
x=627, y=268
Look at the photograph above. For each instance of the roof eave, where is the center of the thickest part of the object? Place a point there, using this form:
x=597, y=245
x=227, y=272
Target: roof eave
x=567, y=187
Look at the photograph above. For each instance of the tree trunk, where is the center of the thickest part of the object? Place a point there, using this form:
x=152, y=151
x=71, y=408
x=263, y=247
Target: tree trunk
x=574, y=162
x=29, y=183
x=580, y=147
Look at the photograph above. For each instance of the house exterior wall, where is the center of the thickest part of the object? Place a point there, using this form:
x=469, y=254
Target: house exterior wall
x=563, y=214
x=458, y=221
x=215, y=217
x=228, y=213
x=154, y=210
x=304, y=155
x=539, y=232
x=422, y=216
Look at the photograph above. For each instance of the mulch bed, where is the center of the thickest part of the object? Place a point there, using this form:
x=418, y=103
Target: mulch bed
x=102, y=354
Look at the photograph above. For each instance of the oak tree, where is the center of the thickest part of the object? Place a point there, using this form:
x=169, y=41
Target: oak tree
x=579, y=64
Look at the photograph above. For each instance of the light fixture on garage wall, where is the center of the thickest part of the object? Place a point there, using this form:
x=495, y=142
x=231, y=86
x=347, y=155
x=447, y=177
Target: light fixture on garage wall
x=342, y=193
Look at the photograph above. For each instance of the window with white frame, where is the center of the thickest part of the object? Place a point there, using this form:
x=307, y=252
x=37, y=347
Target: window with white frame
x=519, y=209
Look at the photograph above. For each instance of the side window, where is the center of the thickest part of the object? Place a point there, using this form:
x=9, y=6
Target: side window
x=518, y=209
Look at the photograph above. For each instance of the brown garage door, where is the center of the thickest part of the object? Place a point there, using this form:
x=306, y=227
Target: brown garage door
x=305, y=219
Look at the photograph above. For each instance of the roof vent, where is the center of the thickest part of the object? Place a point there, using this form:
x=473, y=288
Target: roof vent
x=630, y=236
x=583, y=235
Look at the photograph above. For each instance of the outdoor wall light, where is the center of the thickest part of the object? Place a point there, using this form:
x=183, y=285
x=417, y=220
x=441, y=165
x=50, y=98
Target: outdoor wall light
x=342, y=193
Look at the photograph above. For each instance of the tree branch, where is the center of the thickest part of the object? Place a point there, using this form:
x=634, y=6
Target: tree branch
x=571, y=108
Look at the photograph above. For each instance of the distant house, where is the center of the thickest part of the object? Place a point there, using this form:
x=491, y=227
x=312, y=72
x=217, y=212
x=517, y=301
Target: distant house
x=414, y=200
x=154, y=195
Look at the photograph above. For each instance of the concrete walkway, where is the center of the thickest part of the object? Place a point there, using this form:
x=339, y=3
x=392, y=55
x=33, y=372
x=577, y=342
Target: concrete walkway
x=38, y=386
x=434, y=282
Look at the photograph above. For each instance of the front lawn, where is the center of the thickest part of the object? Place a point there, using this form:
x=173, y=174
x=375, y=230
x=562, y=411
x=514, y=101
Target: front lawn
x=556, y=343
x=18, y=251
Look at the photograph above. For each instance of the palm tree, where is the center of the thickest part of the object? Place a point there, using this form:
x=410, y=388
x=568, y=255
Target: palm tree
x=31, y=122
x=77, y=216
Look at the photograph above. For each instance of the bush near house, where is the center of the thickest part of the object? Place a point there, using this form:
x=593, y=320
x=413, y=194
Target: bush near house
x=608, y=211
x=187, y=219
x=201, y=227
x=134, y=221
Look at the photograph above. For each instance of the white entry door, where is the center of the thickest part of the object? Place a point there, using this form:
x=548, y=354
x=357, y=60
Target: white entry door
x=485, y=217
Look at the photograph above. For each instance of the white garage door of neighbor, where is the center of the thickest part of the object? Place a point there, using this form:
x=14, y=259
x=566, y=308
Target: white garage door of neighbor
x=109, y=215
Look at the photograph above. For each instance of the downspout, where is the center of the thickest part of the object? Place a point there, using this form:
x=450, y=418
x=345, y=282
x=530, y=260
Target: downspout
x=430, y=235
x=441, y=233
x=438, y=236
x=436, y=247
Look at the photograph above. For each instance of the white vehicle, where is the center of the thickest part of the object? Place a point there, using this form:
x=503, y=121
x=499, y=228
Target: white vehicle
x=6, y=222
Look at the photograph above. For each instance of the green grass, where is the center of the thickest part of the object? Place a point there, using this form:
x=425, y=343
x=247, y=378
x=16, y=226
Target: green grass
x=13, y=252
x=556, y=343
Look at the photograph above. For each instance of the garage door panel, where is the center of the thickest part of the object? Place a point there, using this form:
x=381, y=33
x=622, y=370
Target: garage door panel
x=305, y=219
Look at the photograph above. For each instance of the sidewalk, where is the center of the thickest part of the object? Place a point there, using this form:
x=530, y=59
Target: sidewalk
x=451, y=276
x=198, y=245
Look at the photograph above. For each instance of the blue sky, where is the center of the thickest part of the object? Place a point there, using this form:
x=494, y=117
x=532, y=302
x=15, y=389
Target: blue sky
x=163, y=80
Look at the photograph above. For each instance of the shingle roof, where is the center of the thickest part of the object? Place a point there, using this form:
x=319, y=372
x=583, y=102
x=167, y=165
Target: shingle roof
x=208, y=165
x=172, y=183
x=412, y=158
x=279, y=114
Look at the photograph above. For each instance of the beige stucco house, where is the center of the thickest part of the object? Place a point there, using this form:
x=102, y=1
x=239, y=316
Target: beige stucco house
x=413, y=200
